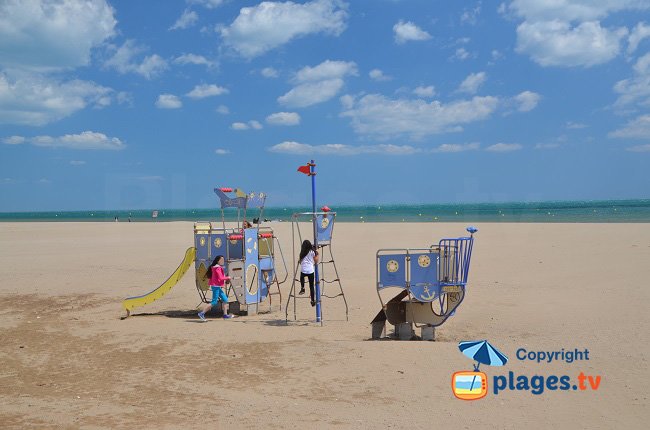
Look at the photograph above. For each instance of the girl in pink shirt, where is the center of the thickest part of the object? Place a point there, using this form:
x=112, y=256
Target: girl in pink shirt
x=217, y=285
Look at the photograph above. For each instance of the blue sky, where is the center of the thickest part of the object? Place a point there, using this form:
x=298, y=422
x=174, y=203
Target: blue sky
x=148, y=104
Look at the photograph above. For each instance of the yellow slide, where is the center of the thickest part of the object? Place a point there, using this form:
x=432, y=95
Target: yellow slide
x=137, y=301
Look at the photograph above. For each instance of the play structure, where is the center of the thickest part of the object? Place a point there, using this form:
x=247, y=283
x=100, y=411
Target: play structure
x=322, y=228
x=328, y=273
x=248, y=251
x=432, y=283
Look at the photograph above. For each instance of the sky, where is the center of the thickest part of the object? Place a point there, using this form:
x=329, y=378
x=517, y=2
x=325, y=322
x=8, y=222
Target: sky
x=149, y=104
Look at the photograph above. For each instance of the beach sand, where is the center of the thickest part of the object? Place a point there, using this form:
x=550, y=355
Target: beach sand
x=68, y=360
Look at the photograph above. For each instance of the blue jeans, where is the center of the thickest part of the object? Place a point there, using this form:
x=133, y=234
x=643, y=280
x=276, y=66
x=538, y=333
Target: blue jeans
x=218, y=295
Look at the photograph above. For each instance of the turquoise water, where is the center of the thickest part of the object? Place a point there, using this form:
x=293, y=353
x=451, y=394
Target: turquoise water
x=562, y=211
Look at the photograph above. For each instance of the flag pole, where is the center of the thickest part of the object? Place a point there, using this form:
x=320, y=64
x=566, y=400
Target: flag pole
x=312, y=173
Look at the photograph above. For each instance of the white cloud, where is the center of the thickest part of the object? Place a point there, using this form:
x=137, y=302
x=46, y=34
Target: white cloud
x=220, y=151
x=406, y=31
x=13, y=140
x=77, y=162
x=186, y=20
x=168, y=101
x=428, y=91
x=470, y=16
x=87, y=140
x=575, y=125
x=637, y=128
x=639, y=148
x=44, y=181
x=504, y=147
x=569, y=32
x=379, y=116
x=318, y=84
x=378, y=75
x=223, y=110
x=268, y=25
x=527, y=101
x=550, y=145
x=34, y=99
x=123, y=60
x=311, y=93
x=210, y=4
x=198, y=60
x=123, y=97
x=283, y=118
x=328, y=69
x=472, y=83
x=635, y=90
x=558, y=43
x=290, y=147
x=269, y=72
x=457, y=147
x=296, y=148
x=205, y=90
x=239, y=126
x=347, y=101
x=46, y=35
x=640, y=32
x=496, y=55
x=572, y=10
x=461, y=54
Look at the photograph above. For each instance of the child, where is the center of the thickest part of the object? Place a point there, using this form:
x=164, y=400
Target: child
x=308, y=258
x=217, y=285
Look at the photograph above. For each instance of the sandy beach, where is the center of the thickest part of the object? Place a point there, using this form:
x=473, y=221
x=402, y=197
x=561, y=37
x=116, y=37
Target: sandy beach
x=68, y=361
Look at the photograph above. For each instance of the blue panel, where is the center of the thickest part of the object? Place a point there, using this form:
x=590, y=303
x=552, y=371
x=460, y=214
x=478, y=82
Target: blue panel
x=266, y=263
x=252, y=258
x=424, y=276
x=218, y=244
x=256, y=200
x=324, y=225
x=392, y=270
x=202, y=245
x=268, y=274
x=235, y=249
x=227, y=202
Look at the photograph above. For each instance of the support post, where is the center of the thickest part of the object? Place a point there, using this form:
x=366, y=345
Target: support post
x=312, y=173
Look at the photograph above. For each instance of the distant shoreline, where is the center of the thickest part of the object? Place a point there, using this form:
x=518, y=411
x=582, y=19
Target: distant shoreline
x=635, y=211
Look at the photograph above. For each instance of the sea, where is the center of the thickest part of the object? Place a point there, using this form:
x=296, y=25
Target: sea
x=601, y=211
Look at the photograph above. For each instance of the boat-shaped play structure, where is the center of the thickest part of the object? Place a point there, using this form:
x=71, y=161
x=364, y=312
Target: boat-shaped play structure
x=432, y=283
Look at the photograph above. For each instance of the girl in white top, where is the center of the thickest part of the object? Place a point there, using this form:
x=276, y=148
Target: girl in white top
x=308, y=259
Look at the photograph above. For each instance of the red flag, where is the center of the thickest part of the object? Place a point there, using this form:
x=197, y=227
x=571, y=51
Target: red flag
x=304, y=169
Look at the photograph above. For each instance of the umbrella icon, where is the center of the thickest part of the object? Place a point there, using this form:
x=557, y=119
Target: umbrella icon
x=483, y=353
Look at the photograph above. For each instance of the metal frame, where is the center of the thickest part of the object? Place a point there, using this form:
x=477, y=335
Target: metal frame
x=295, y=228
x=237, y=202
x=454, y=257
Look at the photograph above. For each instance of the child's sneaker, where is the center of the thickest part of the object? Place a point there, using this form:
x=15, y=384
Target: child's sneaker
x=202, y=316
x=302, y=291
x=227, y=316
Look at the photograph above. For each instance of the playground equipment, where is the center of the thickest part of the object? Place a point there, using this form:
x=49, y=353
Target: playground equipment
x=324, y=222
x=432, y=283
x=323, y=226
x=249, y=255
x=137, y=301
